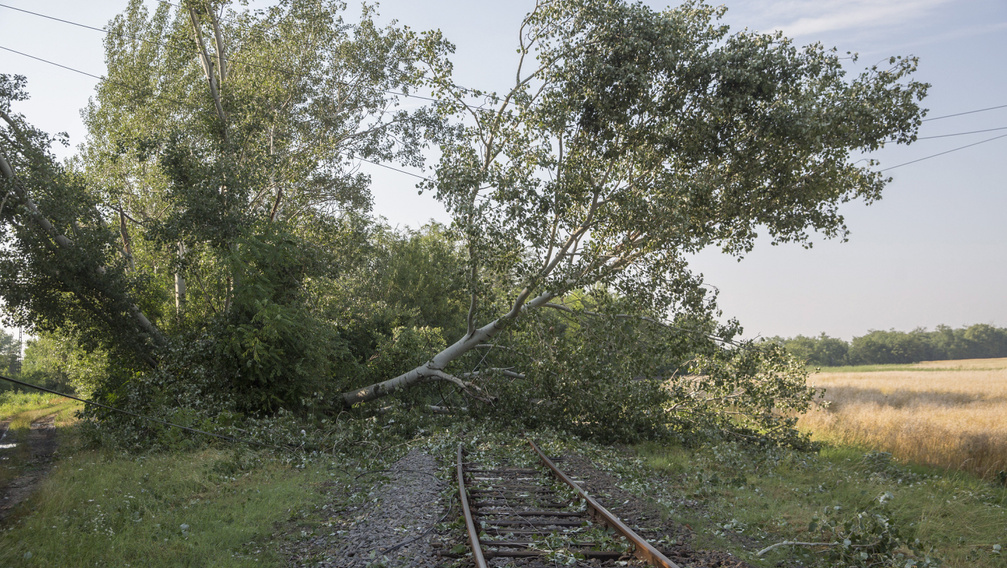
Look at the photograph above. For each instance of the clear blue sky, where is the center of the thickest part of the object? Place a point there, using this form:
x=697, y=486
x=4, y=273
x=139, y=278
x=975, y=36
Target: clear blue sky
x=933, y=251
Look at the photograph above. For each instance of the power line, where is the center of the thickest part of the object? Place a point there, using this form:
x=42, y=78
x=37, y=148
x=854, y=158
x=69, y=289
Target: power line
x=55, y=18
x=964, y=113
x=431, y=99
x=176, y=101
x=961, y=133
x=417, y=96
x=133, y=88
x=227, y=59
x=23, y=54
x=394, y=169
x=946, y=152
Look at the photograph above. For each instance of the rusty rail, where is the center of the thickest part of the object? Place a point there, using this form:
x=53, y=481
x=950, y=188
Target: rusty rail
x=641, y=548
x=470, y=524
x=644, y=551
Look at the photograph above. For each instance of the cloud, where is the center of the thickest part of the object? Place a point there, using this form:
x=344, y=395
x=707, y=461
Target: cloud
x=811, y=17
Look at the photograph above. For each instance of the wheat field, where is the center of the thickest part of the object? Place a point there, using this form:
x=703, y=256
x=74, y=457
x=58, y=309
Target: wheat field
x=949, y=414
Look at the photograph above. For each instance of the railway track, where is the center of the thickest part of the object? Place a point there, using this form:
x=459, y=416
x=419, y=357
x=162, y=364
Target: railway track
x=533, y=516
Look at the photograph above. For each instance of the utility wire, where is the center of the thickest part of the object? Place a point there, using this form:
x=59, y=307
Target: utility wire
x=148, y=418
x=55, y=18
x=227, y=59
x=176, y=101
x=160, y=96
x=964, y=113
x=961, y=133
x=394, y=169
x=431, y=99
x=92, y=75
x=946, y=152
x=403, y=94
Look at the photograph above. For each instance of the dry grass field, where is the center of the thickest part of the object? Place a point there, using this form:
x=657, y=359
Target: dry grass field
x=949, y=414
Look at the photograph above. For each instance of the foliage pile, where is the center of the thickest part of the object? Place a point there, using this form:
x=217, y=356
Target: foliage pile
x=839, y=507
x=979, y=341
x=211, y=250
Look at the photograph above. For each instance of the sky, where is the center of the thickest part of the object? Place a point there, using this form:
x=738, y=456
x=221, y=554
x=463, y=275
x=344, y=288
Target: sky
x=932, y=251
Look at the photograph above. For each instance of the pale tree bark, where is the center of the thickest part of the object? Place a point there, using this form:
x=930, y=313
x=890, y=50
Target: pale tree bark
x=207, y=62
x=127, y=242
x=180, y=284
x=433, y=369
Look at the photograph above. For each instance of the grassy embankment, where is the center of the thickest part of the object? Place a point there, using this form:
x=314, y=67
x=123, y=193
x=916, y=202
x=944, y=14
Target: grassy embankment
x=209, y=507
x=227, y=507
x=928, y=439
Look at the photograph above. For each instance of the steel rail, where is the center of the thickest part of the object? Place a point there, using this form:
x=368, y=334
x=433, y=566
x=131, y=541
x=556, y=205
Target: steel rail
x=470, y=525
x=643, y=549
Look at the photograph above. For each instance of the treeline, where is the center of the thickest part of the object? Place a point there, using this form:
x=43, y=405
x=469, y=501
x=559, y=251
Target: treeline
x=979, y=341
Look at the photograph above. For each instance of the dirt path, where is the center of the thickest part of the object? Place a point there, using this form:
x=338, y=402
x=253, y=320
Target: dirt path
x=35, y=452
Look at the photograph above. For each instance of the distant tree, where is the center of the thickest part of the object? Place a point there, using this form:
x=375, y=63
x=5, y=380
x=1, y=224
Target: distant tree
x=801, y=347
x=821, y=351
x=946, y=343
x=830, y=351
x=882, y=347
x=885, y=347
x=985, y=341
x=10, y=354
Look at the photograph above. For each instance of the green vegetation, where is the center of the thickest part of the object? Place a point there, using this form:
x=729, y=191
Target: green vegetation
x=231, y=506
x=209, y=507
x=10, y=355
x=209, y=256
x=20, y=406
x=749, y=499
x=979, y=341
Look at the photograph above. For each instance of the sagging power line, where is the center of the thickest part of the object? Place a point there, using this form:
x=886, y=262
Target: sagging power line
x=226, y=59
x=945, y=152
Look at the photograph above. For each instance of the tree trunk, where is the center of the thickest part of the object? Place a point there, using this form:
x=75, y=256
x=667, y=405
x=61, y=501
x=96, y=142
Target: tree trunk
x=127, y=242
x=434, y=368
x=180, y=284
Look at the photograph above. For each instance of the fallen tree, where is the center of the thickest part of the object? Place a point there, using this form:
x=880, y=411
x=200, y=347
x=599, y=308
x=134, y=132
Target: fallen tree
x=631, y=138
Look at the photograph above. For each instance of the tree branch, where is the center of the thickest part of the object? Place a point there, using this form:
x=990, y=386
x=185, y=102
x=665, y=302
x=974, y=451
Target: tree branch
x=795, y=543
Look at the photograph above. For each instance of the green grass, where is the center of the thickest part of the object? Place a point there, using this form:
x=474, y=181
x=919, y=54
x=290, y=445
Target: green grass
x=752, y=499
x=211, y=507
x=224, y=507
x=205, y=508
x=13, y=404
